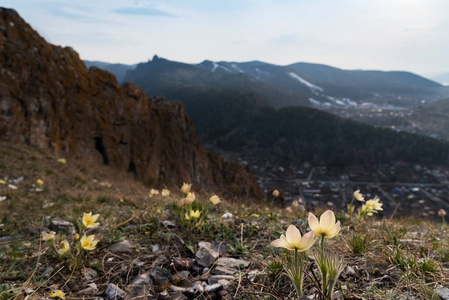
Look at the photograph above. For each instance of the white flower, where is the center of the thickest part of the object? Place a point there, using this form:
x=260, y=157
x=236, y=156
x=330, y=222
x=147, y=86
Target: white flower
x=292, y=240
x=326, y=226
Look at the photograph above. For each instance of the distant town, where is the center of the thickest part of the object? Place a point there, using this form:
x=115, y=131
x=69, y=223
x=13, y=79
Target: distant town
x=405, y=189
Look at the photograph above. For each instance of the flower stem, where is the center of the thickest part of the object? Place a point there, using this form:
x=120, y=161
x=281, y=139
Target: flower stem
x=324, y=272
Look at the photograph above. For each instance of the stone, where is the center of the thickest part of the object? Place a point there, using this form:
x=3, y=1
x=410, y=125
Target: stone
x=442, y=292
x=206, y=256
x=138, y=288
x=222, y=270
x=91, y=289
x=179, y=295
x=213, y=288
x=58, y=225
x=89, y=274
x=183, y=263
x=220, y=247
x=252, y=275
x=232, y=262
x=10, y=238
x=204, y=244
x=349, y=271
x=122, y=247
x=113, y=292
x=169, y=224
x=142, y=279
x=338, y=295
x=219, y=279
x=161, y=276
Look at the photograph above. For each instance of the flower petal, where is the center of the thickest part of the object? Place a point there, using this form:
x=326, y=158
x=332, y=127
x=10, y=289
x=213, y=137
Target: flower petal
x=307, y=241
x=327, y=220
x=314, y=224
x=293, y=235
x=334, y=231
x=280, y=243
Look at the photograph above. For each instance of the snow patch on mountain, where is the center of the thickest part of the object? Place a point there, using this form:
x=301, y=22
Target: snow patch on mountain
x=216, y=66
x=237, y=68
x=305, y=82
x=314, y=102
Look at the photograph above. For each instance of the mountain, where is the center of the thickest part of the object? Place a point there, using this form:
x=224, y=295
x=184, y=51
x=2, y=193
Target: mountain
x=162, y=77
x=298, y=84
x=49, y=99
x=119, y=70
x=332, y=87
x=233, y=115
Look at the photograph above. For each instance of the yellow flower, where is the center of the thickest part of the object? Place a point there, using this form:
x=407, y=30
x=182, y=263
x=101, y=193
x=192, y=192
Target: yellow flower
x=187, y=200
x=276, y=193
x=292, y=240
x=48, y=236
x=39, y=182
x=2, y=181
x=154, y=192
x=57, y=294
x=64, y=247
x=358, y=196
x=214, y=200
x=165, y=193
x=372, y=206
x=326, y=226
x=62, y=160
x=192, y=214
x=88, y=243
x=89, y=220
x=185, y=189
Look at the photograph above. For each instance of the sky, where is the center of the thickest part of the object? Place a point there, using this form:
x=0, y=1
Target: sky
x=408, y=35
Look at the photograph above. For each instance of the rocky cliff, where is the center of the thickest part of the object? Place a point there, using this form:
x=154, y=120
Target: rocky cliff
x=49, y=99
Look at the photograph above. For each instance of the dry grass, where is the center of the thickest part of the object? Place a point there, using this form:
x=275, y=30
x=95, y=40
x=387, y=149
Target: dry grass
x=398, y=259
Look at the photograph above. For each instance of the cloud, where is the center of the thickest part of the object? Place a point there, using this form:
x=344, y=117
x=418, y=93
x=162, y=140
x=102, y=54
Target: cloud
x=141, y=11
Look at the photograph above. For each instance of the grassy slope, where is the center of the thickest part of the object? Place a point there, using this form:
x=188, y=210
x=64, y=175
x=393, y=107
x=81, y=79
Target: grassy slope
x=391, y=259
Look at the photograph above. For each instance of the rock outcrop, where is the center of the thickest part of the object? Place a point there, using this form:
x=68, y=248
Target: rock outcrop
x=49, y=99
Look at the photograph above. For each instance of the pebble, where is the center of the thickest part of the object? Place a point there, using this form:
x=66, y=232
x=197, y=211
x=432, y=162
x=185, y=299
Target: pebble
x=58, y=225
x=91, y=289
x=213, y=288
x=121, y=247
x=113, y=292
x=442, y=292
x=89, y=274
x=161, y=276
x=349, y=271
x=206, y=256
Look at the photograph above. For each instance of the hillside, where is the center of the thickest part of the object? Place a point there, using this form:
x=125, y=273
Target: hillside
x=148, y=249
x=119, y=70
x=292, y=136
x=49, y=99
x=433, y=120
